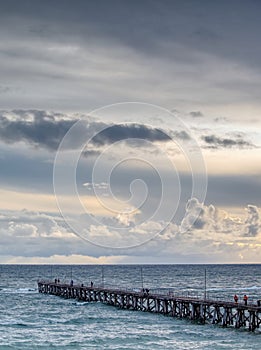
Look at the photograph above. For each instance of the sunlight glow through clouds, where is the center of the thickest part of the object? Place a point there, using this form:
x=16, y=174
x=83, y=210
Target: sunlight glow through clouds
x=59, y=64
x=14, y=200
x=62, y=259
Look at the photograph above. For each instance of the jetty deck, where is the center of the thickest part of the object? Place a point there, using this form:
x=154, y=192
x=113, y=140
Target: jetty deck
x=203, y=310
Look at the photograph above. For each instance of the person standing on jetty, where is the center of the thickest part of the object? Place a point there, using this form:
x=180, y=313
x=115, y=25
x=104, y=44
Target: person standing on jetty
x=245, y=298
x=236, y=298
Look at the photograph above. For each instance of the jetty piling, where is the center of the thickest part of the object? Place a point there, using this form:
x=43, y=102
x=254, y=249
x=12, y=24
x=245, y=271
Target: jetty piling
x=202, y=310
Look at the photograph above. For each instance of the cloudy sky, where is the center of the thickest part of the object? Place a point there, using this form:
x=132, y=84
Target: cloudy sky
x=130, y=131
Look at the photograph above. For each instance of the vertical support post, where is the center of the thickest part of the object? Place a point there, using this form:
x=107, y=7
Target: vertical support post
x=205, y=284
x=141, y=276
x=102, y=276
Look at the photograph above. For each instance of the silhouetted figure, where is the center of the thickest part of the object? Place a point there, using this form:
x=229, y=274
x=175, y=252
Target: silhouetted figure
x=71, y=284
x=91, y=284
x=245, y=298
x=236, y=298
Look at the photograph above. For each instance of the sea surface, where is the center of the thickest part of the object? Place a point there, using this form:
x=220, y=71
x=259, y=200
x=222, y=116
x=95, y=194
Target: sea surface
x=29, y=320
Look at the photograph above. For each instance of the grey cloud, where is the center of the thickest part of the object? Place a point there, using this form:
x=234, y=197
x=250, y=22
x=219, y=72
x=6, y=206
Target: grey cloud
x=91, y=153
x=42, y=131
x=4, y=89
x=113, y=41
x=253, y=222
x=181, y=135
x=45, y=129
x=196, y=114
x=214, y=141
x=199, y=223
x=45, y=222
x=25, y=233
x=207, y=218
x=116, y=133
x=195, y=217
x=220, y=119
x=142, y=25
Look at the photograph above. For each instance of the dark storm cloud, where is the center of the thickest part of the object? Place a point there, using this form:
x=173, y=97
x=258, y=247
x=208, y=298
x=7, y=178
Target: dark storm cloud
x=146, y=25
x=46, y=130
x=76, y=55
x=42, y=131
x=217, y=142
x=116, y=133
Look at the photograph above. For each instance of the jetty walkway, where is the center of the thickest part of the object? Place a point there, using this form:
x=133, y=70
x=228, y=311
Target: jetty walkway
x=203, y=310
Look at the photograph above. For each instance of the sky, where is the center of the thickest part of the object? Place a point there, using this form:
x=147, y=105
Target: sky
x=130, y=131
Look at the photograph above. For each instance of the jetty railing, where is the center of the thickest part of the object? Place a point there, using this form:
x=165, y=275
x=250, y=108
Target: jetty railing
x=199, y=309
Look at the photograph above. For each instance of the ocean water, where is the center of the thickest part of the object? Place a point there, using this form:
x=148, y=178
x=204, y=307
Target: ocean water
x=30, y=320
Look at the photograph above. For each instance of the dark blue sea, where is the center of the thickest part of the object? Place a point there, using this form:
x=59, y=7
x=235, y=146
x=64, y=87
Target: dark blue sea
x=30, y=320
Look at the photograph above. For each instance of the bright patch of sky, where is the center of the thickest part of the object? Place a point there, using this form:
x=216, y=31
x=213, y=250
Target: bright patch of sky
x=200, y=60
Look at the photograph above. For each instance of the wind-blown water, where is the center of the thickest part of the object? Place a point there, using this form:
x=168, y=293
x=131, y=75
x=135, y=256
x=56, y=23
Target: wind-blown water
x=35, y=321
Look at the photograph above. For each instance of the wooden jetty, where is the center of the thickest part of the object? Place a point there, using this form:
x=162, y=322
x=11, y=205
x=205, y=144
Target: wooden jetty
x=222, y=313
